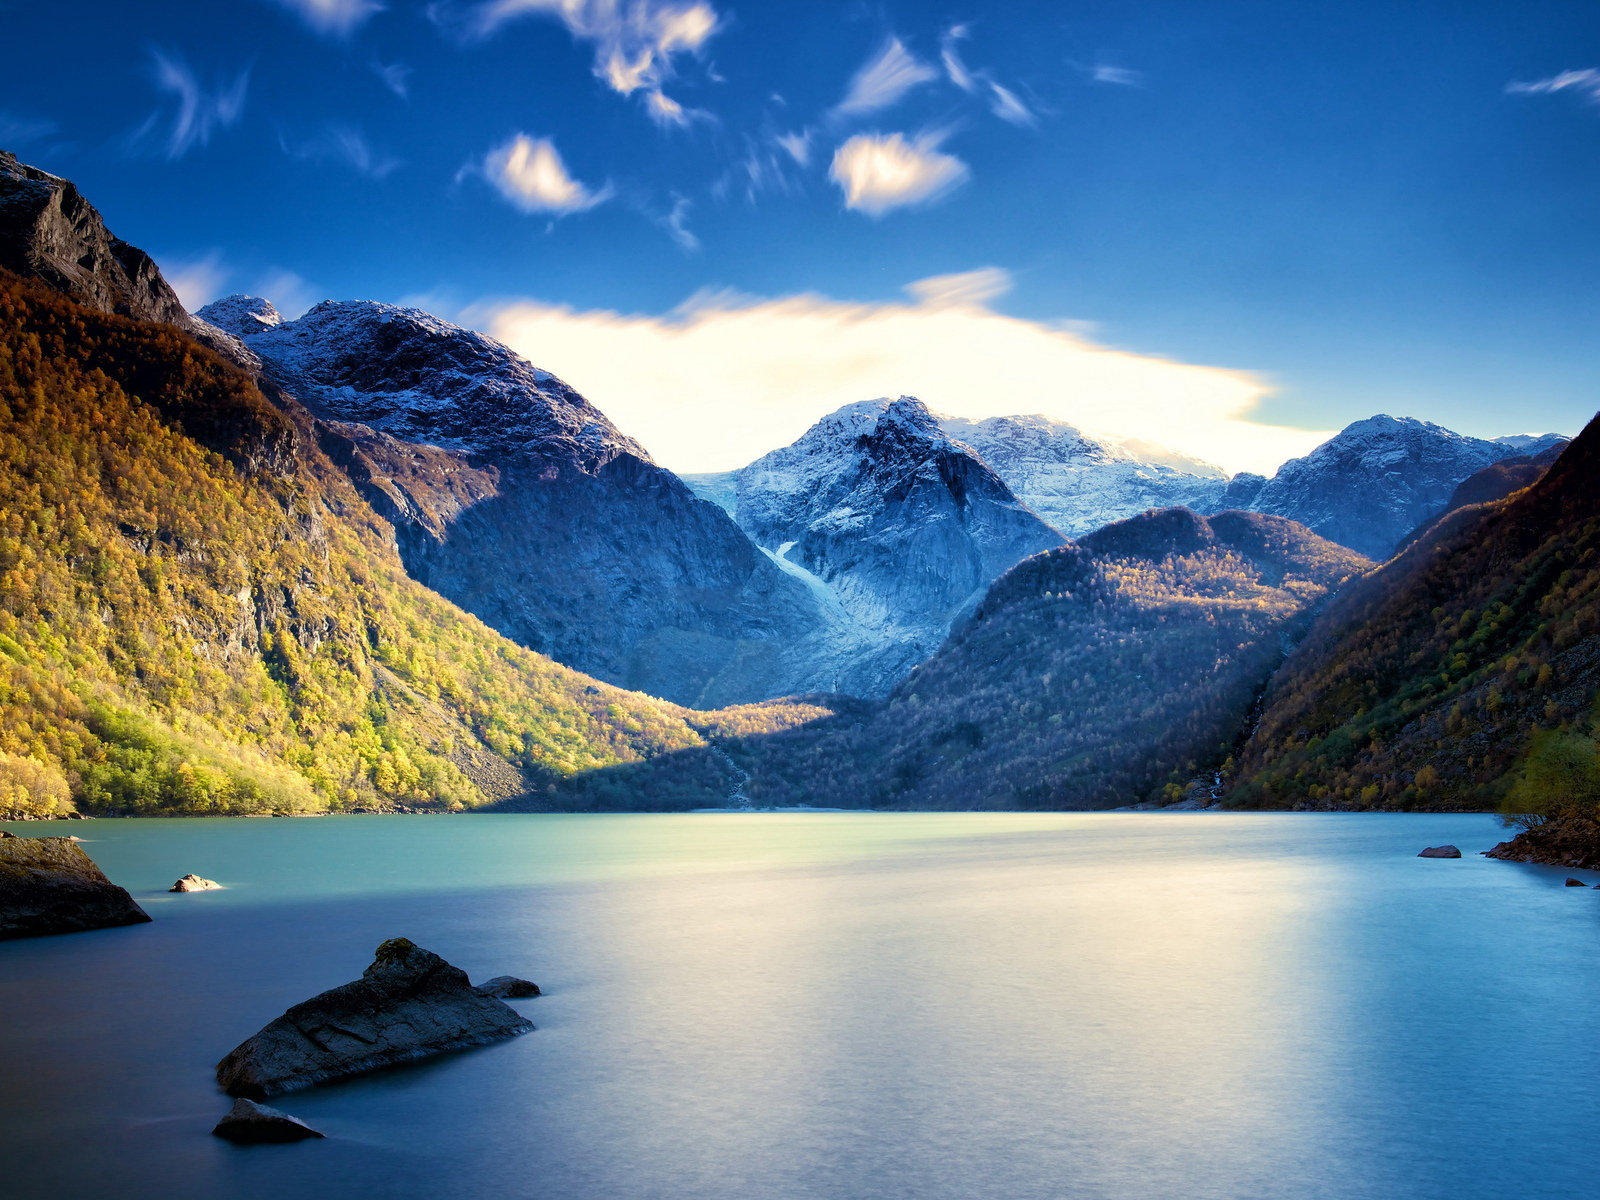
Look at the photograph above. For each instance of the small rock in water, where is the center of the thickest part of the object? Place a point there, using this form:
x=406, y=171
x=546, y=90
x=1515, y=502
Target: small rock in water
x=1440, y=852
x=5, y=833
x=508, y=987
x=1571, y=882
x=193, y=883
x=249, y=1123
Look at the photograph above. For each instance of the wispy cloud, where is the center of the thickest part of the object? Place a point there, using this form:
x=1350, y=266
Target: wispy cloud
x=530, y=174
x=637, y=43
x=196, y=111
x=333, y=18
x=1116, y=76
x=669, y=114
x=394, y=76
x=676, y=223
x=1584, y=83
x=883, y=80
x=198, y=280
x=725, y=378
x=18, y=130
x=343, y=144
x=1002, y=101
x=880, y=172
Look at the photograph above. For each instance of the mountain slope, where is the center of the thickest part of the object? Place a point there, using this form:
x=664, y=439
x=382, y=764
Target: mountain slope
x=894, y=524
x=518, y=500
x=1376, y=481
x=1103, y=673
x=1078, y=484
x=1464, y=674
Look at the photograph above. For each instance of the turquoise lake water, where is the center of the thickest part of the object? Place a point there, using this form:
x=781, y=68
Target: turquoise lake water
x=854, y=1005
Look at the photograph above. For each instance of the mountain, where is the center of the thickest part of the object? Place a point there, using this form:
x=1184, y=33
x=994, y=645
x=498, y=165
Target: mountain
x=200, y=614
x=1101, y=673
x=896, y=526
x=1376, y=481
x=1078, y=484
x=1533, y=444
x=517, y=499
x=1462, y=675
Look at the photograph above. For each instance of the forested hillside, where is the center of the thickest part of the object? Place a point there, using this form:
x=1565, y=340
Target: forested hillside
x=1462, y=675
x=199, y=615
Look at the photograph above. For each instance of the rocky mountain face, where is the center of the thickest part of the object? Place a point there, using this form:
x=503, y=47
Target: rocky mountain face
x=1376, y=481
x=896, y=527
x=517, y=499
x=1108, y=671
x=1078, y=484
x=1462, y=675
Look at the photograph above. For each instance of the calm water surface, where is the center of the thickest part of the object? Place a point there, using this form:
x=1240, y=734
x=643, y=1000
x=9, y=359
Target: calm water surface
x=759, y=1007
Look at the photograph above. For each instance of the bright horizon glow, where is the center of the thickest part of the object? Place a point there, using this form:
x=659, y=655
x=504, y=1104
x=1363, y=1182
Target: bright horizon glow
x=725, y=378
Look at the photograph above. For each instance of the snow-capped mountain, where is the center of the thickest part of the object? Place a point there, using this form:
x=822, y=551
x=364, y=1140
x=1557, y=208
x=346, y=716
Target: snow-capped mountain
x=1079, y=484
x=1377, y=480
x=896, y=526
x=516, y=498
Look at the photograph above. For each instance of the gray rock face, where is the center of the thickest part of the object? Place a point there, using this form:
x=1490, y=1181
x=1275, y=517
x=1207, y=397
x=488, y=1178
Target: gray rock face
x=194, y=883
x=49, y=232
x=1376, y=481
x=408, y=1004
x=517, y=499
x=49, y=885
x=895, y=526
x=252, y=1124
x=1440, y=852
x=508, y=987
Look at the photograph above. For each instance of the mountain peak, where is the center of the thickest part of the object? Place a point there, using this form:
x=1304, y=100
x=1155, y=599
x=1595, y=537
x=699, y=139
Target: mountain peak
x=240, y=315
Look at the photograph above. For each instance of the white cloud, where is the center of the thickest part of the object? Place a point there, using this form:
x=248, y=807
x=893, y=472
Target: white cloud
x=1586, y=83
x=344, y=144
x=333, y=18
x=395, y=76
x=1118, y=76
x=529, y=173
x=1003, y=102
x=17, y=130
x=198, y=281
x=724, y=378
x=883, y=80
x=290, y=294
x=198, y=112
x=879, y=172
x=636, y=42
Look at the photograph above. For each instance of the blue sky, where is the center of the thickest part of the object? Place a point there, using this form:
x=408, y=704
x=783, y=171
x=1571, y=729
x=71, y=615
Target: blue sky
x=1346, y=207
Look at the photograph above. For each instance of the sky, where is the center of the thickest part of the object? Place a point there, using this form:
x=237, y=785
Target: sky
x=1226, y=226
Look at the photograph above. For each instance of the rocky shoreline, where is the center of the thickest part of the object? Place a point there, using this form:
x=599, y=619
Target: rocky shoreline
x=1569, y=841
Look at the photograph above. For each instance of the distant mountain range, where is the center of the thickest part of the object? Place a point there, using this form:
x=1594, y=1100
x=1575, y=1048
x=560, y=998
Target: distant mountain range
x=368, y=559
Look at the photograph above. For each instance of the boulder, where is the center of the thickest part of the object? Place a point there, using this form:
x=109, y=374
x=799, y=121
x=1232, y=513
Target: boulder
x=193, y=883
x=6, y=833
x=1571, y=882
x=408, y=1004
x=250, y=1124
x=1440, y=852
x=508, y=987
x=49, y=885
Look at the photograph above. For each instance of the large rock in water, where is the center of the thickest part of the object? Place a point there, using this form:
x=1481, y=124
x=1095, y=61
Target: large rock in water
x=408, y=1004
x=252, y=1124
x=49, y=885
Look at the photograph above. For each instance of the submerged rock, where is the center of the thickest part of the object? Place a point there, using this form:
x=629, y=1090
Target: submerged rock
x=193, y=883
x=49, y=885
x=408, y=1004
x=1440, y=852
x=508, y=987
x=249, y=1123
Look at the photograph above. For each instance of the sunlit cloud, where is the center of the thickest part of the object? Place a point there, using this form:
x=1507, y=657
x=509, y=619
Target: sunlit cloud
x=1002, y=101
x=530, y=173
x=333, y=18
x=198, y=281
x=1584, y=83
x=636, y=42
x=884, y=80
x=196, y=111
x=725, y=378
x=346, y=145
x=881, y=172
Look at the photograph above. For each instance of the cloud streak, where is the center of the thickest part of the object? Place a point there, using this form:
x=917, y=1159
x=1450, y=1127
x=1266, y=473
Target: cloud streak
x=725, y=378
x=530, y=174
x=1584, y=83
x=196, y=112
x=1002, y=101
x=881, y=172
x=347, y=145
x=883, y=81
x=333, y=18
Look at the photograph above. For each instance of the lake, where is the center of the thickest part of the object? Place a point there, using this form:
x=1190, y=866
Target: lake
x=851, y=1005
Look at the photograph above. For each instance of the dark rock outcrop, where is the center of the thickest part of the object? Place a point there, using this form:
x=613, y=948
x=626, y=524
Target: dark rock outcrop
x=408, y=1004
x=49, y=885
x=252, y=1124
x=193, y=883
x=508, y=987
x=1440, y=852
x=1571, y=882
